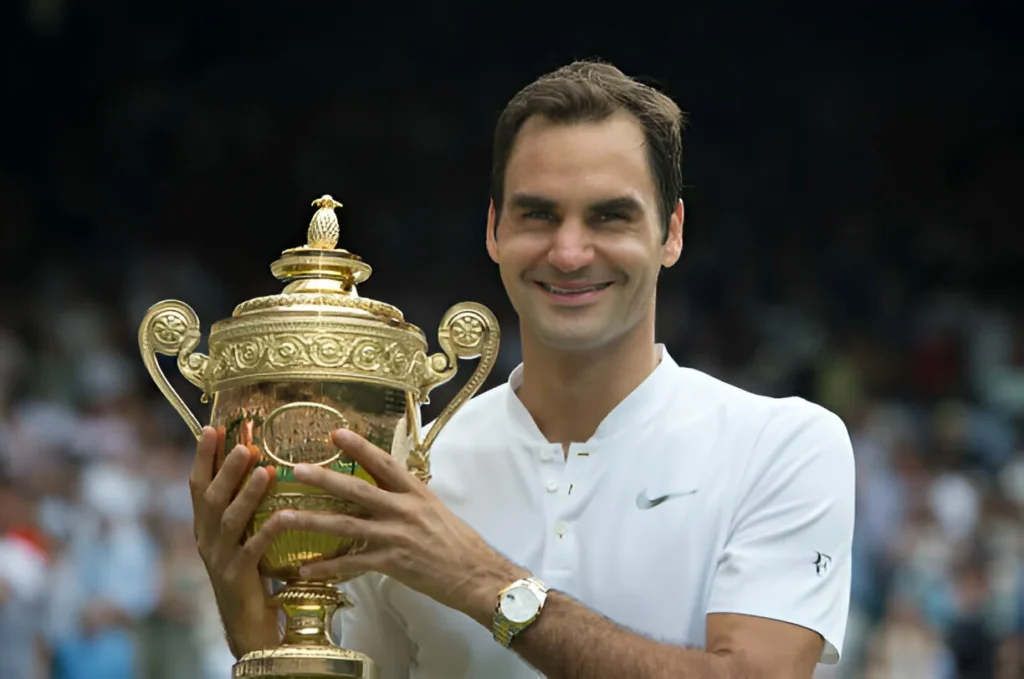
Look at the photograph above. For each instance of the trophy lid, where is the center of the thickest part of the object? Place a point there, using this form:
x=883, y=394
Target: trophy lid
x=318, y=329
x=321, y=277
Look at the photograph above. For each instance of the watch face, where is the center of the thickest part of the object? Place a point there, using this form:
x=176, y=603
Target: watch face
x=519, y=604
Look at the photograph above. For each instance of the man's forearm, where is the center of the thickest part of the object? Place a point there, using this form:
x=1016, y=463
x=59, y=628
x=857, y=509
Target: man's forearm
x=570, y=641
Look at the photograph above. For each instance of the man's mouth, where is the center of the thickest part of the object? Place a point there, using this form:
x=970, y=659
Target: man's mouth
x=575, y=290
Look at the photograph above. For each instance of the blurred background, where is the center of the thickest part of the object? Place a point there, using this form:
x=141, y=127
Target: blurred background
x=851, y=238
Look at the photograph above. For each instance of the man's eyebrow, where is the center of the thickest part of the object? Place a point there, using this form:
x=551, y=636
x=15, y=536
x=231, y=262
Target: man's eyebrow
x=531, y=201
x=619, y=204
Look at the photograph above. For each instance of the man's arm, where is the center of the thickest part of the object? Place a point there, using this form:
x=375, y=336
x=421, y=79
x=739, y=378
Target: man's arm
x=570, y=641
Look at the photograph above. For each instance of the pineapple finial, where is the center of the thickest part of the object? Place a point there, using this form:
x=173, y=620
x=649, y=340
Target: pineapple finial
x=323, y=228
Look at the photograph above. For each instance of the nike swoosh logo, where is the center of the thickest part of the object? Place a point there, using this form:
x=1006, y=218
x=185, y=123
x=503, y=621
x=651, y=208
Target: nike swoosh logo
x=644, y=502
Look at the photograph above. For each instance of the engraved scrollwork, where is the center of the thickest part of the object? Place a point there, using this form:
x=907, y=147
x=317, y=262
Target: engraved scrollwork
x=247, y=354
x=286, y=351
x=311, y=503
x=467, y=330
x=329, y=351
x=367, y=354
x=395, y=355
x=319, y=299
x=397, y=359
x=193, y=366
x=169, y=330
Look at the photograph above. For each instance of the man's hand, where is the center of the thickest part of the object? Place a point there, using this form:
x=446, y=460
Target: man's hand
x=221, y=513
x=411, y=535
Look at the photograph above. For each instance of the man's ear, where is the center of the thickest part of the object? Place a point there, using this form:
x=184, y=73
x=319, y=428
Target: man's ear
x=673, y=246
x=492, y=232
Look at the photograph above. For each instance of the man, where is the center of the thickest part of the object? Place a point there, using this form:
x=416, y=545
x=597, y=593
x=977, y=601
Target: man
x=605, y=513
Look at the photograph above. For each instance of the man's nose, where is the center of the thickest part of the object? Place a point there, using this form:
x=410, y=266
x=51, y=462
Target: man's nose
x=572, y=248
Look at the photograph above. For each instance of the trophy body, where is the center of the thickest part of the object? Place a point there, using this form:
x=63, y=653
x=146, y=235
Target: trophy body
x=283, y=373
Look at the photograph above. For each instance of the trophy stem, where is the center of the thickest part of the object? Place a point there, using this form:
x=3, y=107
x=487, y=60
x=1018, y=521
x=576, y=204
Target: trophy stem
x=307, y=651
x=308, y=608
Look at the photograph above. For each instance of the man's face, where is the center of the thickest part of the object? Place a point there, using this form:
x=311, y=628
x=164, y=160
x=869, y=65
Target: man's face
x=579, y=244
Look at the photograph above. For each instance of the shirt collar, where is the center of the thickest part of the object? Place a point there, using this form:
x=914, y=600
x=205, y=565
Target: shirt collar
x=641, y=403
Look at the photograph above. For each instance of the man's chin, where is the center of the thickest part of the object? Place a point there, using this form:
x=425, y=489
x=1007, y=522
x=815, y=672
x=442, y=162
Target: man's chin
x=577, y=339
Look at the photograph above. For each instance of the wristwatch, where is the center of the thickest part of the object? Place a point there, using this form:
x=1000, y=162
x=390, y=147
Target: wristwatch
x=519, y=605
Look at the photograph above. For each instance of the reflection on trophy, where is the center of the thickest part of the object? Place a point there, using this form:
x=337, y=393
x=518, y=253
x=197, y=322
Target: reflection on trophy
x=286, y=370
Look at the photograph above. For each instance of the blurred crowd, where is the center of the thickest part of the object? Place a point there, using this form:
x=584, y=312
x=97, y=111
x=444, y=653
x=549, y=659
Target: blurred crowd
x=855, y=247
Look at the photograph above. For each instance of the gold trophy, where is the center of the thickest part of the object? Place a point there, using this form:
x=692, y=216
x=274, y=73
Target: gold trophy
x=283, y=373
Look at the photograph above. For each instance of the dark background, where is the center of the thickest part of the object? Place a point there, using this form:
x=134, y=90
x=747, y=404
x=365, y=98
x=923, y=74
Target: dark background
x=852, y=236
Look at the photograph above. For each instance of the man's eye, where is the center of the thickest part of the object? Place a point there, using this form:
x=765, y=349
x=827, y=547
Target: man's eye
x=611, y=217
x=543, y=215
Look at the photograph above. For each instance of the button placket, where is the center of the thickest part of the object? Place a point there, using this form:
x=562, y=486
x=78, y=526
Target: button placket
x=578, y=470
x=552, y=473
x=557, y=555
x=563, y=501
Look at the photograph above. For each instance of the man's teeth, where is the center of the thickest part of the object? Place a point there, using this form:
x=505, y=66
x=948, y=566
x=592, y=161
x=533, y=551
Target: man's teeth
x=573, y=291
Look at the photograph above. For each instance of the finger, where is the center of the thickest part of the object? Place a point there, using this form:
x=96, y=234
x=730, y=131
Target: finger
x=256, y=546
x=345, y=487
x=346, y=567
x=225, y=483
x=241, y=509
x=218, y=458
x=202, y=466
x=334, y=524
x=385, y=469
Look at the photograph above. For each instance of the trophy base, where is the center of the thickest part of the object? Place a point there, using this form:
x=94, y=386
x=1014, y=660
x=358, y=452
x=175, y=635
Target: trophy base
x=305, y=662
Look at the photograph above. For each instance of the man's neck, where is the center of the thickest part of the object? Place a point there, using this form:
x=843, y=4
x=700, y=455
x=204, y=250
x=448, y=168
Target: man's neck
x=569, y=394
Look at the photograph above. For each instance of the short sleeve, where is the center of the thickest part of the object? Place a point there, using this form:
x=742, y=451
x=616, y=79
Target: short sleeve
x=370, y=626
x=788, y=553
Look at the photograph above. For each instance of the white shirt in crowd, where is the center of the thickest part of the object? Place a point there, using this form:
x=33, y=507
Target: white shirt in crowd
x=692, y=497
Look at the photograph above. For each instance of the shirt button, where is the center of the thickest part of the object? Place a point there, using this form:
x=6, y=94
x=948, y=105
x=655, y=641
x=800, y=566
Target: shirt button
x=561, y=529
x=552, y=486
x=546, y=456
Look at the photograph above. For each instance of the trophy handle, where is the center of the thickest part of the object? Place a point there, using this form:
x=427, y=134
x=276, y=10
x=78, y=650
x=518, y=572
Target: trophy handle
x=467, y=330
x=172, y=328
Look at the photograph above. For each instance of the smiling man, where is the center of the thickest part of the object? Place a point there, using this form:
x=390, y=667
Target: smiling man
x=606, y=513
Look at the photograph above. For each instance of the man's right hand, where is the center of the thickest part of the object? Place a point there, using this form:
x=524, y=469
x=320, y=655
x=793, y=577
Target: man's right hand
x=221, y=511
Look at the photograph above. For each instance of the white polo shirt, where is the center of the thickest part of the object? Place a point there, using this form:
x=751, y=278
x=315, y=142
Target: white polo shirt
x=692, y=497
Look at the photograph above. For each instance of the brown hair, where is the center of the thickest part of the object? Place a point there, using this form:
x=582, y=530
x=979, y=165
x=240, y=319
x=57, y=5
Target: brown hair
x=591, y=91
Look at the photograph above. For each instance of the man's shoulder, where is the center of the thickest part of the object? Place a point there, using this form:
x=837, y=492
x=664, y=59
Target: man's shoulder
x=696, y=386
x=775, y=423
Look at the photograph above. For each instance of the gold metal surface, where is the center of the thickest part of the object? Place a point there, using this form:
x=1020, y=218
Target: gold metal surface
x=283, y=373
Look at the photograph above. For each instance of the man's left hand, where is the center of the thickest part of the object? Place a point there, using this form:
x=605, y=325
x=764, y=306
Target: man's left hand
x=410, y=535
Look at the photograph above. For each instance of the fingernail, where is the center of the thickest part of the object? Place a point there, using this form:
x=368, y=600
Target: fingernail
x=305, y=571
x=302, y=471
x=286, y=516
